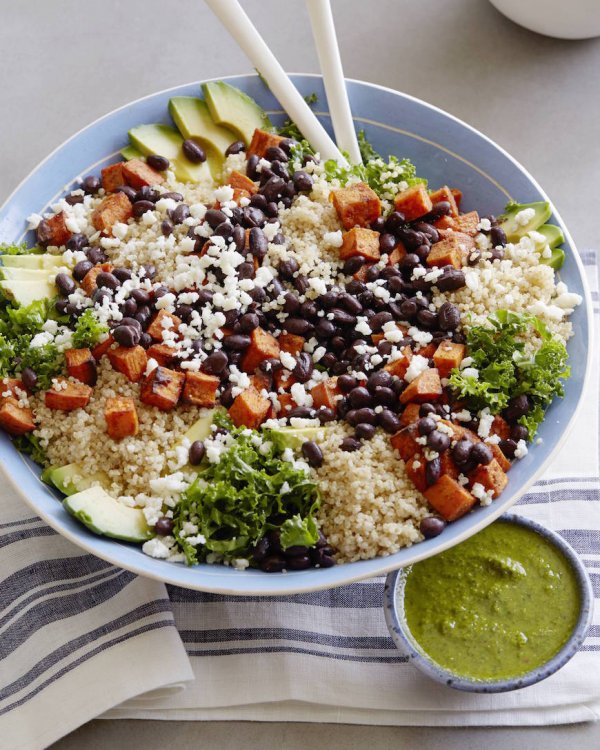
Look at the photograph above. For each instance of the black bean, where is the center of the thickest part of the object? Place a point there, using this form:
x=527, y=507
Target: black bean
x=508, y=447
x=302, y=181
x=394, y=222
x=422, y=252
x=448, y=317
x=297, y=326
x=498, y=237
x=359, y=397
x=409, y=262
x=425, y=425
x=73, y=199
x=364, y=416
x=519, y=432
x=122, y=274
x=108, y=280
x=304, y=367
x=427, y=229
x=160, y=163
x=258, y=294
x=309, y=310
x=127, y=336
x=427, y=319
x=146, y=193
x=227, y=397
x=409, y=308
x=377, y=322
x=412, y=240
x=43, y=233
x=350, y=444
x=312, y=453
x=141, y=296
x=274, y=153
x=236, y=342
x=273, y=188
x=481, y=454
x=381, y=378
x=258, y=243
x=324, y=329
x=322, y=558
x=461, y=451
x=131, y=322
x=433, y=470
x=252, y=217
x=96, y=255
x=129, y=307
x=383, y=396
x=426, y=409
x=235, y=148
x=438, y=441
x=180, y=214
x=387, y=242
x=166, y=227
x=251, y=165
x=215, y=363
x=91, y=184
x=352, y=265
x=164, y=526
x=432, y=526
x=139, y=208
x=373, y=273
x=196, y=453
x=298, y=562
x=214, y=217
x=273, y=564
x=149, y=271
x=29, y=378
x=346, y=383
x=193, y=151
x=325, y=415
x=350, y=303
x=65, y=284
x=517, y=408
x=451, y=280
x=441, y=208
x=300, y=411
x=76, y=242
x=225, y=229
x=365, y=431
x=261, y=550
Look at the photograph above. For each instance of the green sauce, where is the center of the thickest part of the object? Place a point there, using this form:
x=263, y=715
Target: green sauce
x=496, y=606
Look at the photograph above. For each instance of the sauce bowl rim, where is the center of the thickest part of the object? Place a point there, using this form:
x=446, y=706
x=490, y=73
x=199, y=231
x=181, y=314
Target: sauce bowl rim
x=404, y=641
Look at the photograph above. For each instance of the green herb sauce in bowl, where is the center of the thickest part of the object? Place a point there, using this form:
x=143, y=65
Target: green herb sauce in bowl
x=502, y=610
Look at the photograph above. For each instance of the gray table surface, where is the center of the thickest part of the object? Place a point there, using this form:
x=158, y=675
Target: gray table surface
x=65, y=63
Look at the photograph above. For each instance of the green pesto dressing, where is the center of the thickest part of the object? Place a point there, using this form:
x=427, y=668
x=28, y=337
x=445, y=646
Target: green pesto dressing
x=496, y=606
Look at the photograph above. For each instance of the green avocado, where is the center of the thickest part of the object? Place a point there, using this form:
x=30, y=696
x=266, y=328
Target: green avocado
x=26, y=291
x=200, y=430
x=131, y=152
x=235, y=110
x=166, y=141
x=25, y=274
x=72, y=478
x=552, y=234
x=106, y=516
x=294, y=437
x=515, y=230
x=556, y=260
x=192, y=117
x=33, y=261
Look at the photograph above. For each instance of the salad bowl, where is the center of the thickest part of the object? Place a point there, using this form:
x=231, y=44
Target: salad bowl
x=444, y=150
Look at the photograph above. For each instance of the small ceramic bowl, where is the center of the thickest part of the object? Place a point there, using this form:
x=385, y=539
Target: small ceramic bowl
x=402, y=637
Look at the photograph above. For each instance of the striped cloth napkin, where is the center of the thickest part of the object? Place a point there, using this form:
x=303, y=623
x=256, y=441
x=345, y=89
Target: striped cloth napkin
x=80, y=638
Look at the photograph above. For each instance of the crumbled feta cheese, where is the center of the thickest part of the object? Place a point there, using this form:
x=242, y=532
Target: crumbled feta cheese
x=418, y=364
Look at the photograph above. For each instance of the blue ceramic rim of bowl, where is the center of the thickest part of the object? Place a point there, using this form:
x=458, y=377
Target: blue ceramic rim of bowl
x=404, y=641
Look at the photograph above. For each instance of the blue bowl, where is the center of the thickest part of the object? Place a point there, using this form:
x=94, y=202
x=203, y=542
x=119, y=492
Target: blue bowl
x=445, y=151
x=402, y=637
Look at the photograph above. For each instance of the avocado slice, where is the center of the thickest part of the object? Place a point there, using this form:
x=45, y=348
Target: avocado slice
x=192, y=117
x=46, y=475
x=131, y=152
x=514, y=230
x=105, y=515
x=72, y=478
x=26, y=291
x=33, y=261
x=235, y=110
x=552, y=234
x=294, y=437
x=166, y=141
x=556, y=260
x=200, y=430
x=25, y=274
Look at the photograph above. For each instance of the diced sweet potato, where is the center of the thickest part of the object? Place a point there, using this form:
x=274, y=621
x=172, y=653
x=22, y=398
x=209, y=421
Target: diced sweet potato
x=425, y=387
x=399, y=366
x=491, y=476
x=465, y=223
x=15, y=419
x=261, y=381
x=286, y=403
x=356, y=205
x=397, y=254
x=67, y=396
x=448, y=356
x=413, y=202
x=239, y=181
x=289, y=342
x=457, y=196
x=410, y=414
x=138, y=174
x=81, y=365
x=261, y=141
x=11, y=388
x=416, y=468
x=448, y=466
x=162, y=353
x=57, y=232
x=112, y=177
x=500, y=427
x=89, y=280
x=360, y=241
x=157, y=326
x=446, y=252
x=100, y=349
x=200, y=389
x=445, y=194
x=116, y=207
x=325, y=393
x=449, y=498
x=130, y=361
x=426, y=351
x=406, y=445
x=121, y=417
x=361, y=274
x=283, y=379
x=503, y=462
x=249, y=409
x=162, y=388
x=262, y=346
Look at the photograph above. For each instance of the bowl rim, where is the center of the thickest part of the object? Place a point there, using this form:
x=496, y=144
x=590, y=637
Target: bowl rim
x=403, y=639
x=326, y=579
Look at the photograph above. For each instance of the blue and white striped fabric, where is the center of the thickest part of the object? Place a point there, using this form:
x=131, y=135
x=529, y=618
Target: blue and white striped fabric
x=79, y=638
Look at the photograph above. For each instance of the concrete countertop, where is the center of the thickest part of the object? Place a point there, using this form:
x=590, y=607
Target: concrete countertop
x=67, y=62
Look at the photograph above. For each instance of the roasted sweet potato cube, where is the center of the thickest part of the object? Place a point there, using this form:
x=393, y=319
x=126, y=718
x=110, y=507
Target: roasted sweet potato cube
x=406, y=445
x=286, y=403
x=447, y=356
x=426, y=351
x=448, y=466
x=410, y=414
x=121, y=417
x=361, y=274
x=503, y=462
x=11, y=388
x=283, y=379
x=397, y=254
x=100, y=349
x=325, y=393
x=129, y=361
x=239, y=181
x=138, y=174
x=162, y=388
x=449, y=498
x=249, y=409
x=467, y=223
x=89, y=280
x=500, y=427
x=445, y=194
x=67, y=396
x=81, y=365
x=158, y=325
x=200, y=389
x=446, y=252
x=57, y=232
x=262, y=381
x=262, y=346
x=413, y=202
x=112, y=177
x=290, y=343
x=116, y=207
x=416, y=468
x=162, y=353
x=491, y=476
x=399, y=366
x=457, y=196
x=356, y=205
x=15, y=419
x=425, y=387
x=360, y=241
x=261, y=141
